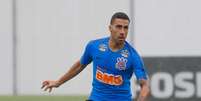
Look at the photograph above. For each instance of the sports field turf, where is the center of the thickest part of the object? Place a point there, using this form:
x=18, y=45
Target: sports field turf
x=43, y=98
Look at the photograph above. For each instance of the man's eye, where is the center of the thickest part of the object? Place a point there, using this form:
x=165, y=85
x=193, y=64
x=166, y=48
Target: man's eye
x=125, y=27
x=119, y=26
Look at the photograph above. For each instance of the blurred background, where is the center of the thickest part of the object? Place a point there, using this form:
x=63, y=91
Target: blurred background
x=41, y=39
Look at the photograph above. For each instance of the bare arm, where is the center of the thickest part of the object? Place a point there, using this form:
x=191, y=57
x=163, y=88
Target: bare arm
x=74, y=70
x=144, y=93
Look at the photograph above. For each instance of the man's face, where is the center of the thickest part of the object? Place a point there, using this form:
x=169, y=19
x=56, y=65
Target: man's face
x=119, y=30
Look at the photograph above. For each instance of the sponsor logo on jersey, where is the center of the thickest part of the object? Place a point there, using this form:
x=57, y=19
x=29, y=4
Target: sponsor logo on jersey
x=124, y=53
x=121, y=63
x=109, y=78
x=102, y=47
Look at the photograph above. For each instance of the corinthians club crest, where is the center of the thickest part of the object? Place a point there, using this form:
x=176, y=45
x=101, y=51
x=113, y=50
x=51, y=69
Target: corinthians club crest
x=121, y=63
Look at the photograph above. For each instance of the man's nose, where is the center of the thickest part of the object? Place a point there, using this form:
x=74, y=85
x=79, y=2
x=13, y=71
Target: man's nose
x=122, y=33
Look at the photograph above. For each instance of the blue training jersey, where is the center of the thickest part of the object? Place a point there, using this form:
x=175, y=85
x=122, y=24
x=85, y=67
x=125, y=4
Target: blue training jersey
x=112, y=71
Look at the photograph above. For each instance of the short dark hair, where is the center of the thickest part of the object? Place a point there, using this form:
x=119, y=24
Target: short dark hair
x=119, y=15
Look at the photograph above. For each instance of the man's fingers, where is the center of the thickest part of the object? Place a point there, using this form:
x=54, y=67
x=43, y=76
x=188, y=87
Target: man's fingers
x=50, y=89
x=45, y=83
x=46, y=88
x=42, y=86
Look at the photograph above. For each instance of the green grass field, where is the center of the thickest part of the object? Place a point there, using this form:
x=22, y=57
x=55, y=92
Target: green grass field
x=43, y=98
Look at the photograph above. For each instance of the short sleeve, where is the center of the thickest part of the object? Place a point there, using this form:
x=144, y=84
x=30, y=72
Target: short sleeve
x=138, y=66
x=86, y=56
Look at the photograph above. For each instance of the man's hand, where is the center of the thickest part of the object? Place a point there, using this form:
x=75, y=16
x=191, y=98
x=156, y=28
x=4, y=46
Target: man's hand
x=49, y=85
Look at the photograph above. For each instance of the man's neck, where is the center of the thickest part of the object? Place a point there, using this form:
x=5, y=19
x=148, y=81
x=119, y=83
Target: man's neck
x=115, y=46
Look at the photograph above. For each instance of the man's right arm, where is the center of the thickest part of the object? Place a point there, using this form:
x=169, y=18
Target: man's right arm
x=74, y=70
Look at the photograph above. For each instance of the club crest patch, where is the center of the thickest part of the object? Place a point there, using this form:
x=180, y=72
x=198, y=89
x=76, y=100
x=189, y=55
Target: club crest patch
x=102, y=47
x=121, y=63
x=124, y=53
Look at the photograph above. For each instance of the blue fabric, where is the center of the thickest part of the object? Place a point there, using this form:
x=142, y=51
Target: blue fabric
x=112, y=71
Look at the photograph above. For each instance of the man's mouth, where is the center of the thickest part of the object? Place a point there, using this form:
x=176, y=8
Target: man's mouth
x=122, y=38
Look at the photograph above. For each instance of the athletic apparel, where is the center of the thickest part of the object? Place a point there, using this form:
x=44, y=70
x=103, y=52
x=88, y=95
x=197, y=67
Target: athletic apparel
x=112, y=71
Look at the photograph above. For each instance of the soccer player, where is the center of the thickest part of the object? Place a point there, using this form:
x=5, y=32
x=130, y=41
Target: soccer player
x=114, y=62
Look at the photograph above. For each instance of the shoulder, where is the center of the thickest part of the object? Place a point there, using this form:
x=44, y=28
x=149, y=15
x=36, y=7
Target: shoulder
x=132, y=50
x=98, y=41
x=130, y=47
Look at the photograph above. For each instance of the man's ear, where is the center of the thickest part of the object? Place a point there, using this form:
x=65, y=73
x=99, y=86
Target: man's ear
x=110, y=28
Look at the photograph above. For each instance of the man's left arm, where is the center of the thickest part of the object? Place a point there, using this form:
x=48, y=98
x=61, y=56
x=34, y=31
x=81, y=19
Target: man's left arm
x=145, y=90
